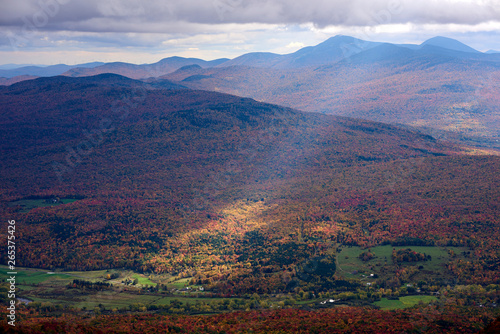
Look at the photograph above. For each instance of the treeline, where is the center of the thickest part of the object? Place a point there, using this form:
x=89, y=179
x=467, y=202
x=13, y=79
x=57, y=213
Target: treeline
x=408, y=255
x=431, y=319
x=87, y=285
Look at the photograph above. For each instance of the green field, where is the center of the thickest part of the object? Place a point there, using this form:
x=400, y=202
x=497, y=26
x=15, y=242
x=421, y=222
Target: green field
x=92, y=276
x=350, y=266
x=52, y=287
x=35, y=276
x=43, y=286
x=179, y=284
x=142, y=280
x=167, y=300
x=29, y=276
x=403, y=302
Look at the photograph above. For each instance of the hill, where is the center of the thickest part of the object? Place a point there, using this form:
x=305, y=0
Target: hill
x=43, y=71
x=239, y=195
x=448, y=43
x=133, y=71
x=9, y=81
x=428, y=87
x=442, y=86
x=330, y=51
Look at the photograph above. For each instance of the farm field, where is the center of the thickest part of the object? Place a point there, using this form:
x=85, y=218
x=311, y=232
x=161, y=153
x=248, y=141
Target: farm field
x=382, y=265
x=51, y=288
x=403, y=302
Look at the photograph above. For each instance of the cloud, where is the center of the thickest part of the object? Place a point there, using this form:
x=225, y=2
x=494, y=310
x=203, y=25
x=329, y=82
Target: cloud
x=295, y=45
x=227, y=27
x=159, y=16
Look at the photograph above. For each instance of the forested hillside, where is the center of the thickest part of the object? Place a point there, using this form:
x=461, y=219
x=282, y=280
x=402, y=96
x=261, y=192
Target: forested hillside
x=242, y=196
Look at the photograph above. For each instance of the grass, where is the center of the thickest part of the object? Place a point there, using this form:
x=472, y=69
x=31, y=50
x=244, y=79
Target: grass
x=167, y=300
x=403, y=302
x=181, y=283
x=41, y=285
x=113, y=299
x=350, y=266
x=310, y=301
x=93, y=276
x=390, y=304
x=143, y=280
x=109, y=299
x=27, y=276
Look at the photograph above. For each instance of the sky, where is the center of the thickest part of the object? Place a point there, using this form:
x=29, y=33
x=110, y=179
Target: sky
x=79, y=31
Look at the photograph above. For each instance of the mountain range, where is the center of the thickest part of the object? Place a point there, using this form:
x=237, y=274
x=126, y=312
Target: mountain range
x=42, y=71
x=441, y=86
x=330, y=51
x=453, y=93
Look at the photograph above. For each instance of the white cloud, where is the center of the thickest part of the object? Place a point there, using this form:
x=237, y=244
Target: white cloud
x=295, y=45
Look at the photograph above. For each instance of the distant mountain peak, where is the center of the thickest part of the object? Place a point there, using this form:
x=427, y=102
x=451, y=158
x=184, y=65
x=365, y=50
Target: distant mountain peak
x=342, y=38
x=448, y=43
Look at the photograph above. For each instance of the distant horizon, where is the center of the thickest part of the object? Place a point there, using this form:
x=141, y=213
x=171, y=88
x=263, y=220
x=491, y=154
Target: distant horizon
x=72, y=32
x=15, y=65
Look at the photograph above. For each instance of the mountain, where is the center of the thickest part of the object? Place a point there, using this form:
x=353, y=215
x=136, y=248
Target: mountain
x=332, y=50
x=14, y=66
x=448, y=53
x=492, y=51
x=16, y=79
x=427, y=87
x=45, y=71
x=133, y=71
x=179, y=181
x=342, y=48
x=243, y=205
x=101, y=80
x=382, y=53
x=448, y=43
x=254, y=59
x=89, y=99
x=452, y=48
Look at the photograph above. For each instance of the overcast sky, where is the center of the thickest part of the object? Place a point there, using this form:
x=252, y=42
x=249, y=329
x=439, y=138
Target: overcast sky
x=78, y=31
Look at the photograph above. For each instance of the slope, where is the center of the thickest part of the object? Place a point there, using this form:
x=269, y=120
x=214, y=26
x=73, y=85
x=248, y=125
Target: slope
x=240, y=194
x=44, y=71
x=133, y=71
x=387, y=83
x=448, y=43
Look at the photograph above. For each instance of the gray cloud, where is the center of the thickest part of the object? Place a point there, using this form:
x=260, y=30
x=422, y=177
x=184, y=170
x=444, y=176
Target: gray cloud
x=134, y=29
x=159, y=16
